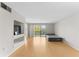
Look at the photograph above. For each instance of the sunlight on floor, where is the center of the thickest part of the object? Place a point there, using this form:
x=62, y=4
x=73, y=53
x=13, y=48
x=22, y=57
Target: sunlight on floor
x=40, y=46
x=39, y=41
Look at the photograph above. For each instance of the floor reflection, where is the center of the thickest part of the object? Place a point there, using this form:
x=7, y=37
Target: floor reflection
x=39, y=42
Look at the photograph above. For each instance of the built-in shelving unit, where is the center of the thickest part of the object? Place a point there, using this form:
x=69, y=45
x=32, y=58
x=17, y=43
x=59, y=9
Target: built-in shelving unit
x=18, y=34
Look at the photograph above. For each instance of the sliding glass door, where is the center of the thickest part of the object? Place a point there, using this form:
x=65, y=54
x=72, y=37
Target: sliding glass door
x=39, y=30
x=43, y=30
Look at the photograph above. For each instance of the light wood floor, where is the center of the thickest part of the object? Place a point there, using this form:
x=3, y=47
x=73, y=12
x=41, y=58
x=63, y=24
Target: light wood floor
x=39, y=46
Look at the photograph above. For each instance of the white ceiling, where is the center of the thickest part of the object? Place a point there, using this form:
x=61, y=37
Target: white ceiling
x=43, y=12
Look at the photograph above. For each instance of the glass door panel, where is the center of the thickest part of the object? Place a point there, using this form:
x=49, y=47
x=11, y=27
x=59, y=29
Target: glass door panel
x=37, y=30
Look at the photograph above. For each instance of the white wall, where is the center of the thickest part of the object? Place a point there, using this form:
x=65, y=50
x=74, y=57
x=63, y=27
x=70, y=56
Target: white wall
x=26, y=32
x=6, y=30
x=69, y=29
x=16, y=16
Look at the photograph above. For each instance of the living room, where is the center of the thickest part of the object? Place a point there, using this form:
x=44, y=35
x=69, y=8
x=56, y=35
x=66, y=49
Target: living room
x=39, y=29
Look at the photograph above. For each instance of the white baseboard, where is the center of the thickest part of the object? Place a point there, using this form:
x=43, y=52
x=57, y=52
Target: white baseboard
x=72, y=46
x=15, y=49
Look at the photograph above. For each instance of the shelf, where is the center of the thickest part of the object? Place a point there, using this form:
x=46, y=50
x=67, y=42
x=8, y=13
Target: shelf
x=18, y=36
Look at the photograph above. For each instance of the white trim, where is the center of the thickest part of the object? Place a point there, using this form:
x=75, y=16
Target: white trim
x=72, y=46
x=15, y=49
